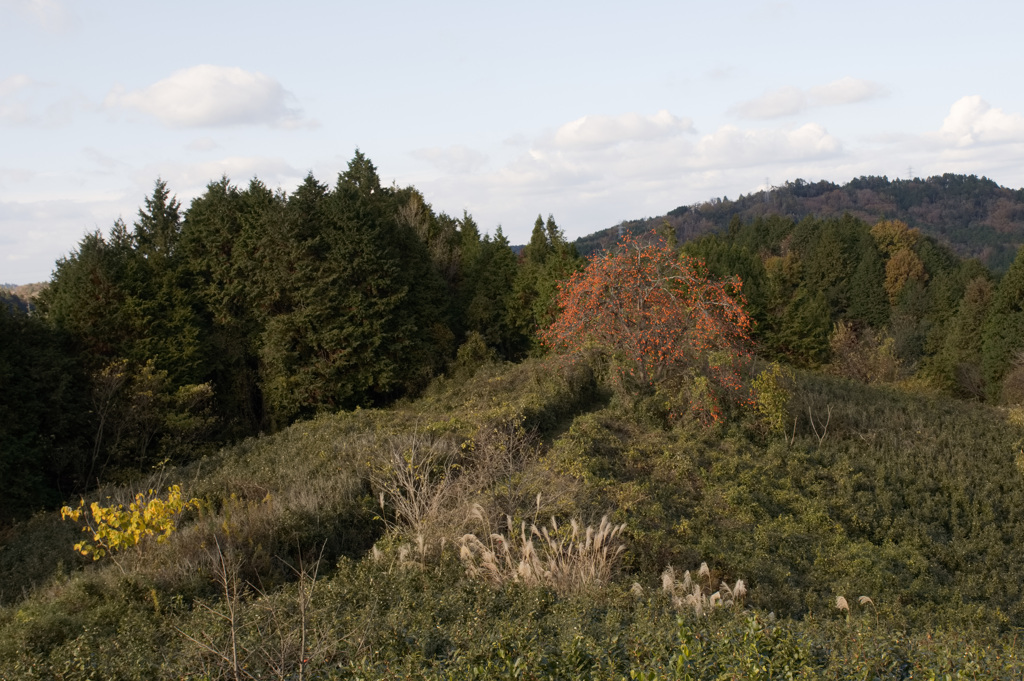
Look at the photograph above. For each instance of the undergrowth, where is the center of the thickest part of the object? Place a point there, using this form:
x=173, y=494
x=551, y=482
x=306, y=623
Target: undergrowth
x=332, y=549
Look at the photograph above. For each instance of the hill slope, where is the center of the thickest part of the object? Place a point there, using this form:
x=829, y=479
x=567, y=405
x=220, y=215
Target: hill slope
x=915, y=501
x=975, y=216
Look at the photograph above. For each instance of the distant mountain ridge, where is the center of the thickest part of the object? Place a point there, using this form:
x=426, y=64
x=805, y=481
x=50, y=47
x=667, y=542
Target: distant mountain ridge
x=20, y=297
x=975, y=216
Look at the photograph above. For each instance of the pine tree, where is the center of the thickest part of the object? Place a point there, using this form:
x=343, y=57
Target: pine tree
x=536, y=252
x=957, y=365
x=1003, y=332
x=803, y=330
x=158, y=229
x=489, y=308
x=355, y=309
x=219, y=244
x=869, y=303
x=547, y=260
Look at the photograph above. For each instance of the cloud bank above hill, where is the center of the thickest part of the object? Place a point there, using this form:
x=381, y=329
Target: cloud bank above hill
x=212, y=96
x=973, y=121
x=790, y=100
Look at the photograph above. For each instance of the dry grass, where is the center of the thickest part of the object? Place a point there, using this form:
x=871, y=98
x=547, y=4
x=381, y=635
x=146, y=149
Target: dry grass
x=696, y=595
x=567, y=559
x=414, y=477
x=842, y=605
x=257, y=635
x=431, y=485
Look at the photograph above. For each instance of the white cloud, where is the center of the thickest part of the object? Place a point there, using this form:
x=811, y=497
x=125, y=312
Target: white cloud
x=973, y=121
x=598, y=170
x=456, y=160
x=12, y=84
x=101, y=160
x=774, y=104
x=790, y=100
x=50, y=14
x=632, y=145
x=202, y=144
x=26, y=102
x=845, y=91
x=209, y=96
x=595, y=132
x=14, y=105
x=732, y=147
x=16, y=175
x=189, y=180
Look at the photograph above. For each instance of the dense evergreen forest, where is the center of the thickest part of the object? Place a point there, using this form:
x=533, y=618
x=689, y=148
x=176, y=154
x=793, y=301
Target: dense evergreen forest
x=372, y=442
x=973, y=216
x=245, y=312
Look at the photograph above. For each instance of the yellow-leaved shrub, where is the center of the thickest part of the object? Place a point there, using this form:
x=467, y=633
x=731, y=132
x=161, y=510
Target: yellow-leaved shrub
x=114, y=528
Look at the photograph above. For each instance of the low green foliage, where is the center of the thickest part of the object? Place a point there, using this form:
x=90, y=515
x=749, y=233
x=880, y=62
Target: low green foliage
x=289, y=565
x=772, y=394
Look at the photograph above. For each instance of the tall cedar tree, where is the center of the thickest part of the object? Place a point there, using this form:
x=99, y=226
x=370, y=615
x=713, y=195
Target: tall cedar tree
x=958, y=364
x=869, y=303
x=489, y=270
x=1003, y=333
x=547, y=260
x=354, y=308
x=220, y=242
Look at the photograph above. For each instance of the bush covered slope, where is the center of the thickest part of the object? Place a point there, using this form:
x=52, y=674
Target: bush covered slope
x=914, y=501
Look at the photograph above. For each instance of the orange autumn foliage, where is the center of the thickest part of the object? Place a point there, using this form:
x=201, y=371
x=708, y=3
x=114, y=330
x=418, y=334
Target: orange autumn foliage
x=662, y=317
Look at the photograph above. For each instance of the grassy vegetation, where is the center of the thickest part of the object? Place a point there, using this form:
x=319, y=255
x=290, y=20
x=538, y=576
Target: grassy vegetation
x=355, y=545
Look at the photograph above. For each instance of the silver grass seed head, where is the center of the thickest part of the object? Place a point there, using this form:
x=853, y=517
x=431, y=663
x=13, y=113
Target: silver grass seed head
x=668, y=579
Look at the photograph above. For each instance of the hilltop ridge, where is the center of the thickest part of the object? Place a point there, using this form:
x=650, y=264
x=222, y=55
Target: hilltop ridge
x=974, y=216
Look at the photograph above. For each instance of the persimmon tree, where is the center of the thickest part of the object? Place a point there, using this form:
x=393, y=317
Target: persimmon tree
x=670, y=327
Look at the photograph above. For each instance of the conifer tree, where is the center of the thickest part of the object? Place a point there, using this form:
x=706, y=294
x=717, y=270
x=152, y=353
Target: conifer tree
x=546, y=260
x=1003, y=333
x=158, y=228
x=958, y=363
x=536, y=252
x=803, y=331
x=220, y=244
x=869, y=303
x=492, y=275
x=354, y=307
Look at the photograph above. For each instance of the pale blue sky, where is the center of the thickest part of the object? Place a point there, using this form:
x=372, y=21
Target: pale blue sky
x=595, y=112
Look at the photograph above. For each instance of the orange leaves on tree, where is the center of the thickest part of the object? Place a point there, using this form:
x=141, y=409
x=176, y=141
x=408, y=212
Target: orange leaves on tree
x=661, y=316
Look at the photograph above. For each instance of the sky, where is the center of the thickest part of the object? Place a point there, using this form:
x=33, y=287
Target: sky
x=593, y=112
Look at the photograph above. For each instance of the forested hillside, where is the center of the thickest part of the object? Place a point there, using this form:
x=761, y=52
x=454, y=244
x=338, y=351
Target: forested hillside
x=334, y=434
x=973, y=216
x=244, y=312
